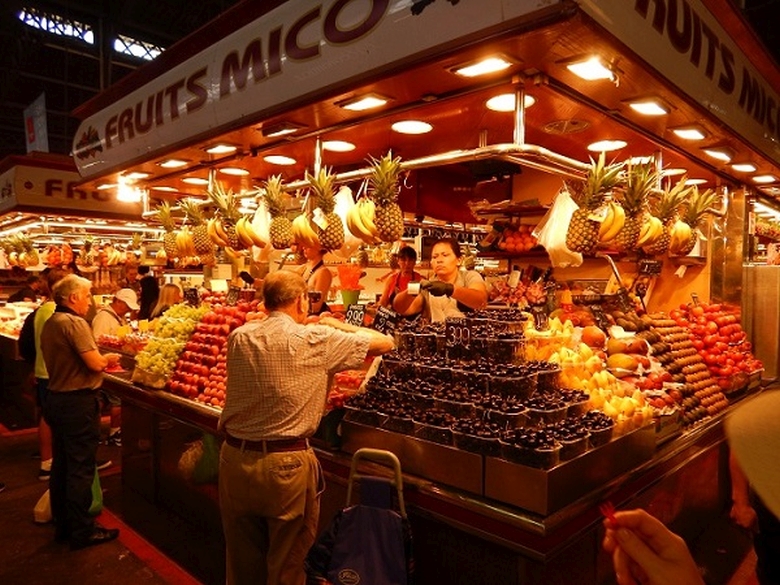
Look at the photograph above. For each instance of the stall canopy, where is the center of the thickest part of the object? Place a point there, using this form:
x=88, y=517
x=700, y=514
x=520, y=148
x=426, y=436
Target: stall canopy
x=685, y=81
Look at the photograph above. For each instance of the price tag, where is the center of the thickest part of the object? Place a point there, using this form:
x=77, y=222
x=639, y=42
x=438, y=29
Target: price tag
x=385, y=320
x=457, y=336
x=191, y=296
x=355, y=315
x=541, y=321
x=232, y=296
x=650, y=267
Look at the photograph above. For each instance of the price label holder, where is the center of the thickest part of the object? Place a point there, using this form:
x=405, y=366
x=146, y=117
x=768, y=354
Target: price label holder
x=457, y=336
x=355, y=315
x=232, y=296
x=650, y=267
x=386, y=320
x=541, y=321
x=191, y=296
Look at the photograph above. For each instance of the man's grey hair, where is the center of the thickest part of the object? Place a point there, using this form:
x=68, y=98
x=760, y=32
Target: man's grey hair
x=69, y=285
x=281, y=288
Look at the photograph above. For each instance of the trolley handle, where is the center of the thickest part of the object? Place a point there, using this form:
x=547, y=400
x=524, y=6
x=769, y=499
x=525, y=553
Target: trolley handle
x=380, y=456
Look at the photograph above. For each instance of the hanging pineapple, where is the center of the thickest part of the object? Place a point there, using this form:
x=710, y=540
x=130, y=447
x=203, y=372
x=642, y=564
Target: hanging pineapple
x=388, y=218
x=332, y=237
x=583, y=233
x=665, y=208
x=87, y=254
x=169, y=237
x=200, y=237
x=685, y=231
x=280, y=228
x=227, y=207
x=640, y=181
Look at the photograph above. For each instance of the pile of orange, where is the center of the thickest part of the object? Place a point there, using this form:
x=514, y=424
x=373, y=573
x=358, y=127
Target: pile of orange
x=518, y=239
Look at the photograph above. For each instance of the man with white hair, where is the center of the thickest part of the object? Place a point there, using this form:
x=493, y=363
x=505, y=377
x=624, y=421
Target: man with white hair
x=75, y=368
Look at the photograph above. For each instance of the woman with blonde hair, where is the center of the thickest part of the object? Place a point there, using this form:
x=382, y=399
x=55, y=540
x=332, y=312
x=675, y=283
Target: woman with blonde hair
x=170, y=294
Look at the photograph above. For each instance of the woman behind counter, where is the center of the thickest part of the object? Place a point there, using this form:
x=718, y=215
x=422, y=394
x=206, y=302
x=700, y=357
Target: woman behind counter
x=170, y=294
x=407, y=258
x=451, y=293
x=317, y=276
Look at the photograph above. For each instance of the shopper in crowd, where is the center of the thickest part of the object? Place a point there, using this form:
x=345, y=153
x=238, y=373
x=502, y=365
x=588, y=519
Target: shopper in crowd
x=451, y=292
x=106, y=322
x=269, y=478
x=42, y=315
x=170, y=294
x=407, y=258
x=645, y=551
x=318, y=277
x=150, y=292
x=29, y=292
x=72, y=410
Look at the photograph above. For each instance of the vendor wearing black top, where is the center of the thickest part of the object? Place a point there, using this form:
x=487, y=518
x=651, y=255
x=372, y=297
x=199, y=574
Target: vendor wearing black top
x=317, y=276
x=150, y=292
x=29, y=292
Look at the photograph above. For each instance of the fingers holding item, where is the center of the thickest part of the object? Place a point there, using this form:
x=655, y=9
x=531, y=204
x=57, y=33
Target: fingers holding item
x=621, y=562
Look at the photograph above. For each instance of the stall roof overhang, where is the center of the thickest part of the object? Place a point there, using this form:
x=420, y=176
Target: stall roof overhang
x=704, y=80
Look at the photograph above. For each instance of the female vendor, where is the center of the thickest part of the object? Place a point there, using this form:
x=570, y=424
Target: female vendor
x=450, y=293
x=317, y=276
x=399, y=281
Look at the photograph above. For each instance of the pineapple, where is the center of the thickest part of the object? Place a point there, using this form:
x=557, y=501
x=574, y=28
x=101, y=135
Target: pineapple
x=200, y=236
x=666, y=208
x=388, y=218
x=640, y=181
x=583, y=233
x=225, y=202
x=698, y=204
x=169, y=237
x=280, y=229
x=87, y=255
x=332, y=237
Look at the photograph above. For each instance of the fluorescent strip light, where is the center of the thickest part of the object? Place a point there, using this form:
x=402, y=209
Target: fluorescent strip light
x=484, y=67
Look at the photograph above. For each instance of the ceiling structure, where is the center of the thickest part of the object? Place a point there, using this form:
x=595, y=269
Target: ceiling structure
x=566, y=116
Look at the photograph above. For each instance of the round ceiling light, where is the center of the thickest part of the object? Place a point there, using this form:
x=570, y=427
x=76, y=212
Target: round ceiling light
x=234, y=171
x=195, y=181
x=505, y=102
x=607, y=145
x=278, y=159
x=412, y=127
x=338, y=146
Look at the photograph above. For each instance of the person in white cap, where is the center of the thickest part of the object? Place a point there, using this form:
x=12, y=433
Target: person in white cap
x=645, y=551
x=106, y=322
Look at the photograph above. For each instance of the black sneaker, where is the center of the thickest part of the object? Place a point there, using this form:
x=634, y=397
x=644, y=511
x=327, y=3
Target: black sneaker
x=114, y=439
x=99, y=535
x=44, y=474
x=102, y=464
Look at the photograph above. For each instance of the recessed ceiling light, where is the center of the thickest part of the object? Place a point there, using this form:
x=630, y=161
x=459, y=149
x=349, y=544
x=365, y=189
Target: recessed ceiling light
x=649, y=107
x=195, y=181
x=483, y=67
x=221, y=149
x=764, y=179
x=278, y=159
x=695, y=181
x=364, y=102
x=172, y=163
x=592, y=69
x=104, y=186
x=745, y=167
x=280, y=129
x=673, y=172
x=412, y=127
x=720, y=153
x=165, y=188
x=338, y=145
x=506, y=102
x=234, y=171
x=690, y=133
x=136, y=175
x=607, y=145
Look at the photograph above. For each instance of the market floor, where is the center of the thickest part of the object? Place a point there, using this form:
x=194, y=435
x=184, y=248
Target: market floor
x=28, y=553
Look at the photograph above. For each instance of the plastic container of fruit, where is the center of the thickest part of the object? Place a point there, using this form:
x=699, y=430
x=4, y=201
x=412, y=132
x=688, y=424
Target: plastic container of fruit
x=398, y=368
x=470, y=379
x=488, y=446
x=433, y=433
x=571, y=448
x=507, y=420
x=523, y=386
x=399, y=424
x=365, y=417
x=507, y=350
x=599, y=437
x=540, y=458
x=547, y=379
x=456, y=408
x=425, y=345
x=538, y=416
x=432, y=373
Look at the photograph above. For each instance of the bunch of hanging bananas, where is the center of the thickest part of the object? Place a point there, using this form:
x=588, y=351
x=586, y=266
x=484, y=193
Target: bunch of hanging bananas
x=245, y=234
x=681, y=238
x=613, y=223
x=652, y=229
x=360, y=221
x=303, y=231
x=184, y=245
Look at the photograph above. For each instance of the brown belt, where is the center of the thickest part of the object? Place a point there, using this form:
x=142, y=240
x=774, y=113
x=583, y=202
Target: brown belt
x=268, y=446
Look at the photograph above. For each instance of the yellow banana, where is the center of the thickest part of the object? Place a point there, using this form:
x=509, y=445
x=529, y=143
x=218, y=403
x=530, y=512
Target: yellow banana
x=617, y=223
x=367, y=212
x=232, y=254
x=252, y=234
x=356, y=227
x=222, y=237
x=303, y=232
x=241, y=232
x=609, y=219
x=651, y=230
x=681, y=235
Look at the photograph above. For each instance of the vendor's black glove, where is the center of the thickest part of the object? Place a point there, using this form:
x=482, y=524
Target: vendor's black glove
x=438, y=288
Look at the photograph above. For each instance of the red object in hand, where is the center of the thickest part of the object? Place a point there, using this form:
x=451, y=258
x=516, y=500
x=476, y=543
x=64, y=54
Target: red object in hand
x=608, y=511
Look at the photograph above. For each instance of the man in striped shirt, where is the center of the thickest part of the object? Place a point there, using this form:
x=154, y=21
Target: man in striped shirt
x=270, y=481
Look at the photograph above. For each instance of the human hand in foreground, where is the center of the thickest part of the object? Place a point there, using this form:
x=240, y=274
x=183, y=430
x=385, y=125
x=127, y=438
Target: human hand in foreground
x=645, y=552
x=438, y=288
x=112, y=358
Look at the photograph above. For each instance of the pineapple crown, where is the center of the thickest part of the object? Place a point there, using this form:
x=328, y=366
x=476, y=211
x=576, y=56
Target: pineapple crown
x=670, y=200
x=697, y=205
x=191, y=209
x=384, y=178
x=600, y=180
x=164, y=216
x=224, y=201
x=274, y=196
x=640, y=181
x=322, y=186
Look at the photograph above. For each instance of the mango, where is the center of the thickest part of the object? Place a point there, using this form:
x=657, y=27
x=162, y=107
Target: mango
x=616, y=346
x=622, y=363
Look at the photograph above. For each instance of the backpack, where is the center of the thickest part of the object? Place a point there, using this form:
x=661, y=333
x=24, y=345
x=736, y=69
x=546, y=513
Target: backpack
x=26, y=341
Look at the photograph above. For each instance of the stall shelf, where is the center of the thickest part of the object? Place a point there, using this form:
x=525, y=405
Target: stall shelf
x=684, y=482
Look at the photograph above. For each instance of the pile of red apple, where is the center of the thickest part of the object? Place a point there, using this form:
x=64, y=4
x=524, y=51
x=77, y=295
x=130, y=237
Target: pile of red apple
x=718, y=336
x=200, y=372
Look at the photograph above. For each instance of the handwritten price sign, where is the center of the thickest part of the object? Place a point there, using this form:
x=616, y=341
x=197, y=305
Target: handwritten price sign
x=355, y=315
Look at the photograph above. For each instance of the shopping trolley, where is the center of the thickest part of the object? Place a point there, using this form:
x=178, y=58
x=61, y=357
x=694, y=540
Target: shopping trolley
x=369, y=542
